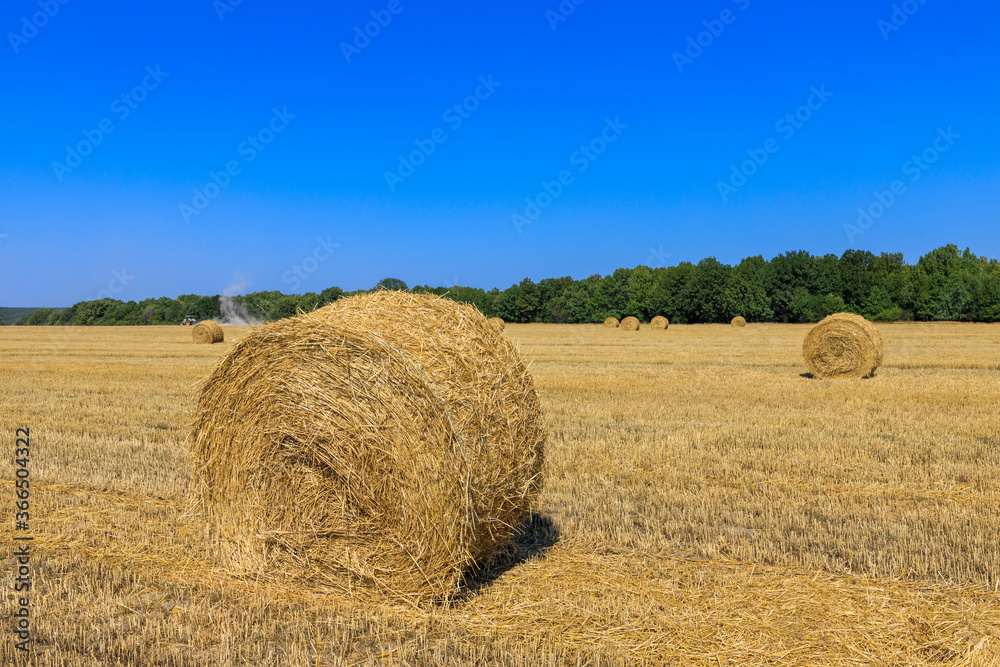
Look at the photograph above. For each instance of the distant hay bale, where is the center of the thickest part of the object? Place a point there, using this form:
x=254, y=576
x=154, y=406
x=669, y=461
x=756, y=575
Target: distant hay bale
x=341, y=449
x=659, y=322
x=843, y=345
x=629, y=324
x=738, y=322
x=611, y=322
x=497, y=322
x=207, y=332
x=217, y=331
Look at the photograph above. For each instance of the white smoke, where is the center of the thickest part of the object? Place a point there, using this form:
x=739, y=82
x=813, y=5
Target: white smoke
x=233, y=314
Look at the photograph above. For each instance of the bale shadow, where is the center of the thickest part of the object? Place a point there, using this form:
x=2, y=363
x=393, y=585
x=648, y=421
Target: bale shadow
x=536, y=535
x=808, y=376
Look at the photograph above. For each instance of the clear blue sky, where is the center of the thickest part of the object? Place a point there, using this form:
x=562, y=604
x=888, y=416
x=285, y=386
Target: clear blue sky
x=651, y=197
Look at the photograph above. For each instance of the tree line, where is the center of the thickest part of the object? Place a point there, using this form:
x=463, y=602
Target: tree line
x=944, y=284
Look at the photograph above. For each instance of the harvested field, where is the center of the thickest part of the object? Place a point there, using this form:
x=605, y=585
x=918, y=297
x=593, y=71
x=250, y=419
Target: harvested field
x=704, y=503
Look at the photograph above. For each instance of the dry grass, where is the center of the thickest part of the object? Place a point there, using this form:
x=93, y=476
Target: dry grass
x=339, y=449
x=755, y=517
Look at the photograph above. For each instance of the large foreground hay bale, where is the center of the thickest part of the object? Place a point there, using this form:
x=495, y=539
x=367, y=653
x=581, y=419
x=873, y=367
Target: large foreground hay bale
x=659, y=322
x=629, y=324
x=611, y=322
x=341, y=449
x=497, y=322
x=843, y=345
x=207, y=332
x=738, y=322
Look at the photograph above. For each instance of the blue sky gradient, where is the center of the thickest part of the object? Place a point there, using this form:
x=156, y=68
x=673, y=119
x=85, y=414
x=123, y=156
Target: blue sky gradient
x=204, y=81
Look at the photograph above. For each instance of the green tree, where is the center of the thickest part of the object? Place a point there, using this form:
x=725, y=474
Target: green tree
x=786, y=273
x=802, y=306
x=703, y=298
x=527, y=305
x=571, y=305
x=940, y=267
x=392, y=284
x=329, y=295
x=988, y=299
x=668, y=285
x=827, y=279
x=90, y=312
x=175, y=311
x=639, y=294
x=857, y=277
x=504, y=304
x=877, y=303
x=309, y=302
x=828, y=304
x=956, y=300
x=610, y=296
x=121, y=313
x=891, y=275
x=37, y=318
x=549, y=291
x=746, y=291
x=795, y=286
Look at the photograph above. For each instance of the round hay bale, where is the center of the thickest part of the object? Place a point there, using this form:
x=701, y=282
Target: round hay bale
x=497, y=322
x=611, y=322
x=217, y=331
x=738, y=322
x=843, y=345
x=207, y=332
x=340, y=449
x=659, y=322
x=629, y=324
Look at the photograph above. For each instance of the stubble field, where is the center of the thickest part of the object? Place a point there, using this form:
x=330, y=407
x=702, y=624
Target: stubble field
x=704, y=503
